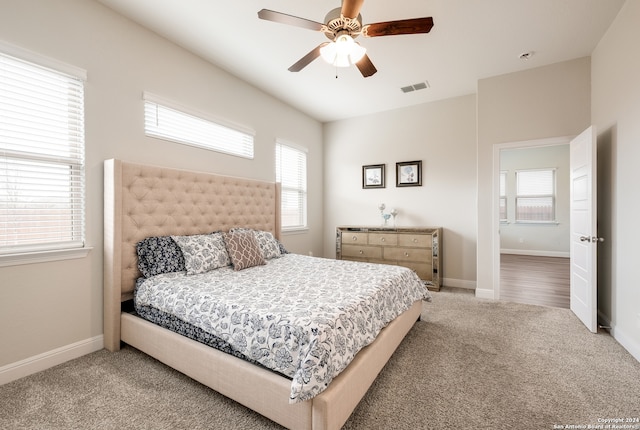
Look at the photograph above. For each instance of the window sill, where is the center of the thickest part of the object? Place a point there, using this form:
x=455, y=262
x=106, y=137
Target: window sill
x=43, y=257
x=297, y=230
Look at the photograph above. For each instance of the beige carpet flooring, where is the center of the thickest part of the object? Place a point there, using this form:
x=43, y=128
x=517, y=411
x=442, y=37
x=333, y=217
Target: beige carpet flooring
x=470, y=364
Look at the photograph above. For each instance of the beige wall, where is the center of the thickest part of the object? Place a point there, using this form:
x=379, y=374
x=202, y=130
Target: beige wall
x=442, y=135
x=616, y=114
x=541, y=103
x=53, y=305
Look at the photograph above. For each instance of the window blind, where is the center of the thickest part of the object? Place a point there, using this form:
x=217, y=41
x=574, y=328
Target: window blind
x=291, y=172
x=503, y=196
x=176, y=125
x=535, y=182
x=41, y=158
x=535, y=199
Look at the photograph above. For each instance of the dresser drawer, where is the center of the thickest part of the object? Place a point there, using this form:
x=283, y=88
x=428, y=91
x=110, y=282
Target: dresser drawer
x=424, y=270
x=408, y=254
x=385, y=239
x=354, y=237
x=359, y=251
x=417, y=240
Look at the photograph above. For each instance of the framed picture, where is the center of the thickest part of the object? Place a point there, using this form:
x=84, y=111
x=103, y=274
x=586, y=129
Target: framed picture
x=373, y=176
x=409, y=174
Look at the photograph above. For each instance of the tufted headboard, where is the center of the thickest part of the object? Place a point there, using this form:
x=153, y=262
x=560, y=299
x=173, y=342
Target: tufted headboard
x=142, y=201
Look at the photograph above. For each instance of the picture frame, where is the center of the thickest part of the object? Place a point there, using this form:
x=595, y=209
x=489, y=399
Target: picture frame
x=373, y=176
x=409, y=174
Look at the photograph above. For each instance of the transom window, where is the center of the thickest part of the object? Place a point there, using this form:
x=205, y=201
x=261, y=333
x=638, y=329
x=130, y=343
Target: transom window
x=165, y=120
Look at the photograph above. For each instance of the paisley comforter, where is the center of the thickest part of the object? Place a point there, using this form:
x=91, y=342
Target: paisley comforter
x=304, y=317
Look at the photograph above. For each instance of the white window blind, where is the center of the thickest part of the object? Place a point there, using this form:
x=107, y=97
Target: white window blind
x=503, y=196
x=291, y=172
x=535, y=195
x=41, y=158
x=164, y=120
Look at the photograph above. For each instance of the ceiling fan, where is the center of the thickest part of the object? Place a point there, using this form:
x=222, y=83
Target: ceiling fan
x=341, y=26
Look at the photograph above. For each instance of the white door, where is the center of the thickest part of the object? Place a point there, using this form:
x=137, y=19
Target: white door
x=584, y=238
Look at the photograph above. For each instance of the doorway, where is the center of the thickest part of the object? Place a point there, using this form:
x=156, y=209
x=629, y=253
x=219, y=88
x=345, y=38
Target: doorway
x=531, y=254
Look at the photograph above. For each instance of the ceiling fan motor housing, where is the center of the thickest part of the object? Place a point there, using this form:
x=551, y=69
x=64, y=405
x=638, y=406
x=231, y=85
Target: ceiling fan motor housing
x=337, y=24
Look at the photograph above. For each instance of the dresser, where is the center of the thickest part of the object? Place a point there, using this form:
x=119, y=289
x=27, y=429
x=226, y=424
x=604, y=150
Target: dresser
x=418, y=248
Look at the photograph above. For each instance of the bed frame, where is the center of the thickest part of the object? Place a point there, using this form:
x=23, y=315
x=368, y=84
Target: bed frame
x=142, y=201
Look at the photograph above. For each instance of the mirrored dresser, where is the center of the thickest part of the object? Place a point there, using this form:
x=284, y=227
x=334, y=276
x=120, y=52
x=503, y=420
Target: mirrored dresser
x=418, y=248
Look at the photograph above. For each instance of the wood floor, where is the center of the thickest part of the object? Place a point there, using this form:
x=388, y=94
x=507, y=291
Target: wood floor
x=535, y=280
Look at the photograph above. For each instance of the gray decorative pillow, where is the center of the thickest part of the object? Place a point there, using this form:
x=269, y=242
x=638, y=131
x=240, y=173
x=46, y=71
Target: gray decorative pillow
x=203, y=252
x=243, y=249
x=269, y=245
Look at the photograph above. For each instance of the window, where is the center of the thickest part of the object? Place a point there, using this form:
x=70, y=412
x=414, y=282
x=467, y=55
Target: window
x=503, y=196
x=165, y=120
x=41, y=156
x=535, y=195
x=291, y=172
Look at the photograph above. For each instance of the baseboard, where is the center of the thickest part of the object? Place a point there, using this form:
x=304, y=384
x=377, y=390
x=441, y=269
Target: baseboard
x=48, y=359
x=459, y=283
x=623, y=339
x=536, y=253
x=482, y=293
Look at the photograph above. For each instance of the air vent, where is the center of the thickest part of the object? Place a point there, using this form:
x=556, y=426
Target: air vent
x=416, y=87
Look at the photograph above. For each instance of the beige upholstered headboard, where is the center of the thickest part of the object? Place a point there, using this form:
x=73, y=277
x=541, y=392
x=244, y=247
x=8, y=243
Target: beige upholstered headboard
x=142, y=201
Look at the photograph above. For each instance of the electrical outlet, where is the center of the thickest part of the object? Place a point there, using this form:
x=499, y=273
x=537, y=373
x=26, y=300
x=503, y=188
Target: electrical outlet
x=310, y=253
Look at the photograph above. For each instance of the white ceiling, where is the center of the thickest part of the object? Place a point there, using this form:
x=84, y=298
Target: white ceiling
x=470, y=40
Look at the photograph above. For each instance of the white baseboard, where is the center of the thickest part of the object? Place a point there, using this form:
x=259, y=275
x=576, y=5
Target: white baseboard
x=48, y=359
x=458, y=283
x=483, y=293
x=536, y=253
x=622, y=338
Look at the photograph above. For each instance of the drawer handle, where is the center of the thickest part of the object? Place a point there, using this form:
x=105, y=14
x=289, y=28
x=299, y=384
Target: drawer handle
x=361, y=252
x=383, y=239
x=415, y=240
x=406, y=254
x=354, y=238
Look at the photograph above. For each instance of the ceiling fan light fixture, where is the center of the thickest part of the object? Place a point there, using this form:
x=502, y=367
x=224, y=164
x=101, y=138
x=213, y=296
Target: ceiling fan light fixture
x=343, y=51
x=357, y=52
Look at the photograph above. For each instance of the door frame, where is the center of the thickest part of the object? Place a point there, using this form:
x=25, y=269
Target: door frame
x=495, y=206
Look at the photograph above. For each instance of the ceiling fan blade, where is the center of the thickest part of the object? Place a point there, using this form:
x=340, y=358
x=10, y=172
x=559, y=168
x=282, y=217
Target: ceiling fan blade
x=366, y=67
x=304, y=61
x=405, y=26
x=283, y=18
x=351, y=8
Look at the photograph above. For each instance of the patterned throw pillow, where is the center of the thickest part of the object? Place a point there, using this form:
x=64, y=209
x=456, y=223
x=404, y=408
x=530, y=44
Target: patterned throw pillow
x=269, y=245
x=159, y=254
x=243, y=249
x=203, y=252
x=282, y=249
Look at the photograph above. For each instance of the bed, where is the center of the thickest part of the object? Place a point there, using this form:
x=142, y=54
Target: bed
x=149, y=201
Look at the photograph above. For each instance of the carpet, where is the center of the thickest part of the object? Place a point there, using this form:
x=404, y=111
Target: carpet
x=469, y=364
